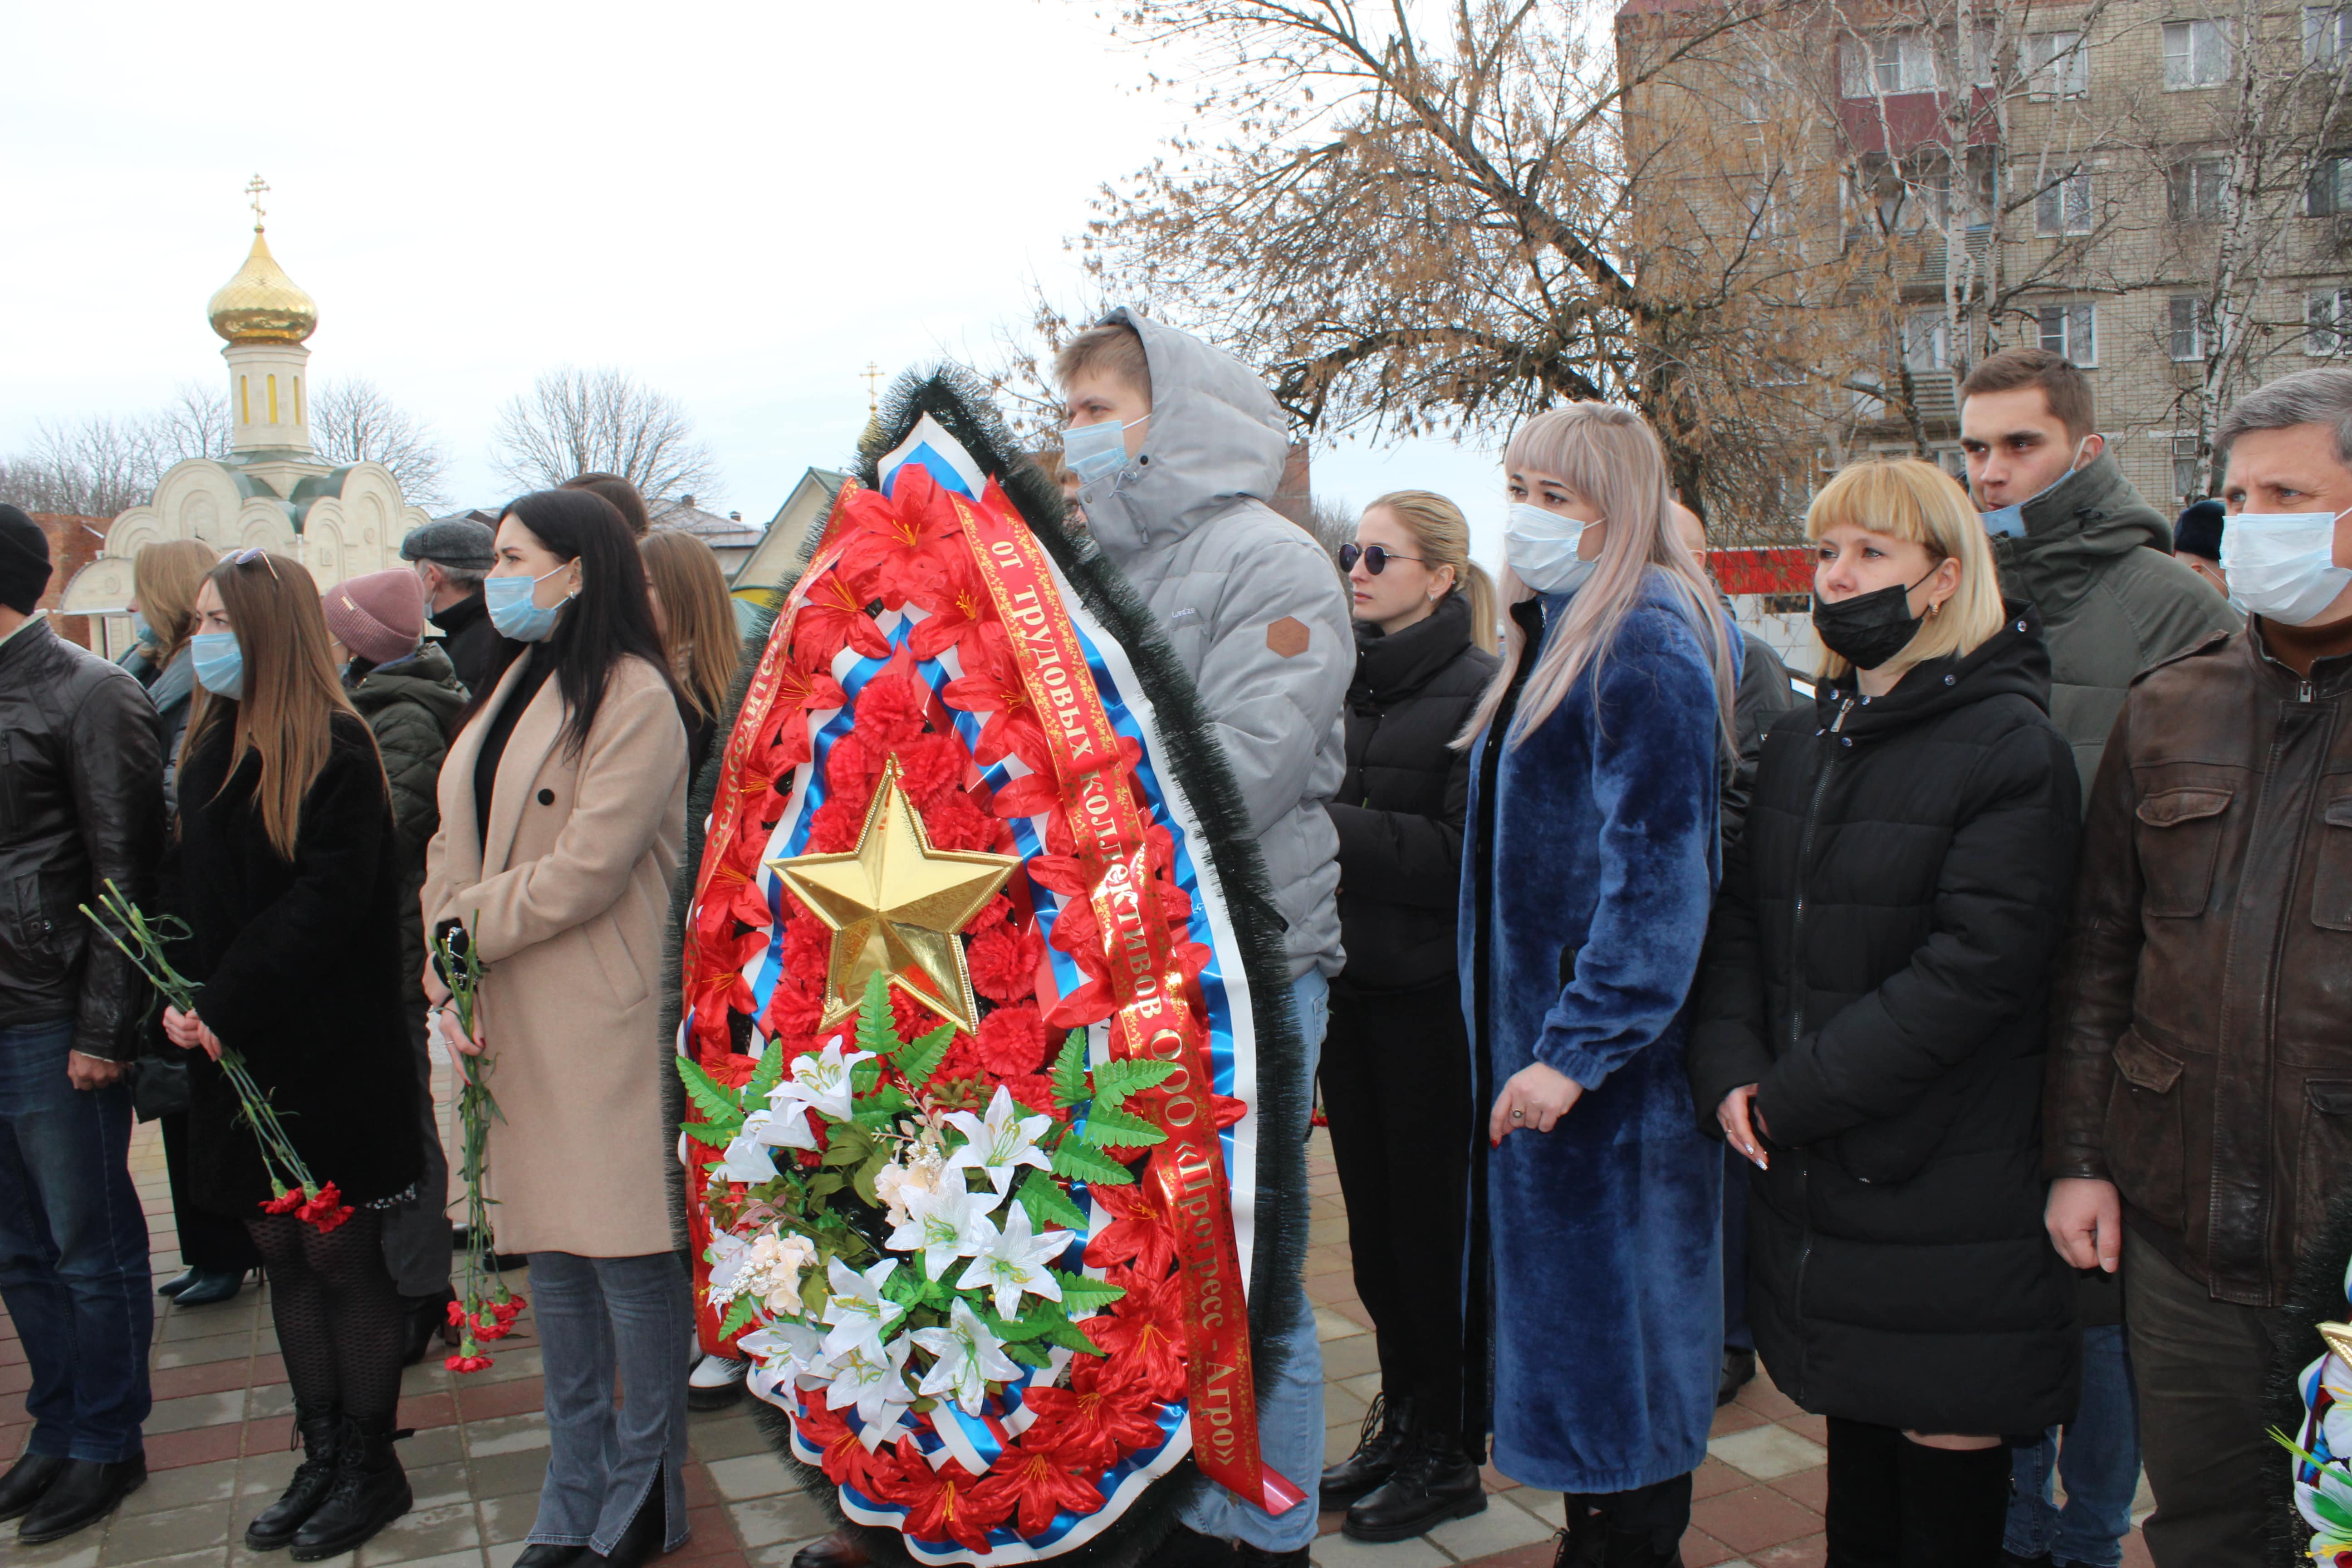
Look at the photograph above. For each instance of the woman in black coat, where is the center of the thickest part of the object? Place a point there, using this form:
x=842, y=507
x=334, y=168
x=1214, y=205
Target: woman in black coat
x=1871, y=1023
x=1396, y=1077
x=285, y=867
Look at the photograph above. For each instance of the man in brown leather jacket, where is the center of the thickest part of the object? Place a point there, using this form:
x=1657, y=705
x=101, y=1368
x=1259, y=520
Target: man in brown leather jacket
x=2201, y=1089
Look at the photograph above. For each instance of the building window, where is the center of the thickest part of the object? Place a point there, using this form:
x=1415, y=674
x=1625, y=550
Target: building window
x=1926, y=343
x=1890, y=62
x=2191, y=322
x=2063, y=206
x=2056, y=66
x=2329, y=193
x=2194, y=189
x=2327, y=35
x=2327, y=322
x=2187, y=480
x=2071, y=332
x=2196, y=54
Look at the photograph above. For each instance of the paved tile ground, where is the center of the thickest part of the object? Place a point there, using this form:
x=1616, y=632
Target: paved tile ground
x=218, y=1450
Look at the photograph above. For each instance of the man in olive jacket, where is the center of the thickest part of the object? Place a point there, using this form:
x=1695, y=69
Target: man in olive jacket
x=81, y=805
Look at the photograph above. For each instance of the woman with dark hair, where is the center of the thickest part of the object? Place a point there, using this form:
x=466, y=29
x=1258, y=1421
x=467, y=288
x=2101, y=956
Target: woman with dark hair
x=695, y=618
x=562, y=820
x=285, y=867
x=625, y=497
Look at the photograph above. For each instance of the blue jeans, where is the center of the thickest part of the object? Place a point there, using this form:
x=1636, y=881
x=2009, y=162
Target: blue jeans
x=1290, y=1413
x=73, y=1250
x=598, y=1316
x=2099, y=1462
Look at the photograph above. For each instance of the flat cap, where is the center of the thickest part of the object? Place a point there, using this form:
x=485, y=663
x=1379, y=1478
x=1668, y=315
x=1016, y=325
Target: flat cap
x=452, y=541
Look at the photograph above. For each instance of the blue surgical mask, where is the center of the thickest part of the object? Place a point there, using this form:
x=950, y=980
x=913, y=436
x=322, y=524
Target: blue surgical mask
x=141, y=631
x=1541, y=549
x=2281, y=564
x=515, y=612
x=2011, y=519
x=220, y=663
x=1095, y=451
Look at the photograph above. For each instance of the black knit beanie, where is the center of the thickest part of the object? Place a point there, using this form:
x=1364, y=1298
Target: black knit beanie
x=23, y=560
x=2199, y=532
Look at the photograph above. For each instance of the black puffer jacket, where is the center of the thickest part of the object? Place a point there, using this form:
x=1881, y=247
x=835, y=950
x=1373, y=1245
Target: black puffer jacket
x=1399, y=809
x=1879, y=963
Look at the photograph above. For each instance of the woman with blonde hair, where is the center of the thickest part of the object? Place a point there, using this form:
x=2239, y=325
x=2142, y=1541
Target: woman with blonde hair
x=164, y=579
x=285, y=867
x=1396, y=1058
x=1591, y=856
x=1870, y=1027
x=694, y=615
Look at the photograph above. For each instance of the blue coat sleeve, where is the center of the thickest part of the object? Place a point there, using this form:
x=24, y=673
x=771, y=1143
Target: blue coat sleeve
x=1653, y=748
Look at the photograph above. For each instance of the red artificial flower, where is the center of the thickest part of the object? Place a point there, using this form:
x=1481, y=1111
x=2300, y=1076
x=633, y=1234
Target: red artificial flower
x=963, y=1061
x=325, y=1211
x=944, y=1505
x=953, y=601
x=1011, y=1040
x=488, y=1328
x=846, y=1460
x=999, y=911
x=456, y=1314
x=890, y=710
x=1035, y=1484
x=506, y=1311
x=955, y=821
x=991, y=684
x=899, y=540
x=1143, y=1333
x=462, y=1363
x=808, y=949
x=834, y=618
x=930, y=766
x=833, y=826
x=288, y=1200
x=734, y=1069
x=1034, y=1092
x=800, y=691
x=1095, y=1422
x=853, y=765
x=1139, y=1233
x=911, y=1017
x=795, y=1005
x=1004, y=961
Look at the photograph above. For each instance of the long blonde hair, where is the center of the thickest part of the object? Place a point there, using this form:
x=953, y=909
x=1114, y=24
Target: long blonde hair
x=1442, y=534
x=1609, y=457
x=1905, y=498
x=291, y=693
x=165, y=577
x=698, y=617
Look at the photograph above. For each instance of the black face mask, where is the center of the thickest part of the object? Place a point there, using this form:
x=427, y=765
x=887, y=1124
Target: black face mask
x=1869, y=629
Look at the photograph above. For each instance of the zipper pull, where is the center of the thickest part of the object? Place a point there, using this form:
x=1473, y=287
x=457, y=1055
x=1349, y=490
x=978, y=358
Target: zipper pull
x=2302, y=693
x=1843, y=709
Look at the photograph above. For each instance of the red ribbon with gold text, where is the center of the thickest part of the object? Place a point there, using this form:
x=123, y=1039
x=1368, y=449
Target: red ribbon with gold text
x=1151, y=1018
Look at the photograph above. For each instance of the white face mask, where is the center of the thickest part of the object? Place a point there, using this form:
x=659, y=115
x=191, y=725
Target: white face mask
x=2011, y=519
x=2281, y=564
x=1541, y=549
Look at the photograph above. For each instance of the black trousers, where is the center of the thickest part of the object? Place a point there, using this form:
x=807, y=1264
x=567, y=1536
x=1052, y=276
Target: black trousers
x=207, y=1241
x=1396, y=1088
x=1893, y=1503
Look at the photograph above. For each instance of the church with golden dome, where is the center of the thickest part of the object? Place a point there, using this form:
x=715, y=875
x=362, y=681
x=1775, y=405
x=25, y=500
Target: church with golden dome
x=271, y=489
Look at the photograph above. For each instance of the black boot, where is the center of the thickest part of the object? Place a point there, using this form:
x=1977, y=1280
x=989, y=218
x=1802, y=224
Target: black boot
x=834, y=1550
x=313, y=1478
x=180, y=1281
x=641, y=1538
x=370, y=1491
x=1434, y=1481
x=27, y=1479
x=85, y=1491
x=1380, y=1445
x=210, y=1286
x=540, y=1555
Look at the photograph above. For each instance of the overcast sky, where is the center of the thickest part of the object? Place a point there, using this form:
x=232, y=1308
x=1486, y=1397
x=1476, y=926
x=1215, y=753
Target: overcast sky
x=740, y=204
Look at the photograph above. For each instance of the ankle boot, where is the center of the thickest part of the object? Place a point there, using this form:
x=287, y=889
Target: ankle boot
x=313, y=1478
x=1436, y=1480
x=370, y=1491
x=641, y=1538
x=1380, y=1445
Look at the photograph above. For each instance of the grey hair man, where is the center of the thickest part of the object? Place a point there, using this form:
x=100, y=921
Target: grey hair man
x=2198, y=1112
x=452, y=555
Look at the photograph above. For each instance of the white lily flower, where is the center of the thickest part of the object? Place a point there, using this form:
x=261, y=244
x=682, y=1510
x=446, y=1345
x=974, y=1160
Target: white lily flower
x=858, y=1310
x=782, y=1126
x=746, y=1160
x=1014, y=1264
x=969, y=1354
x=1001, y=1144
x=874, y=1379
x=944, y=1226
x=789, y=1350
x=821, y=1082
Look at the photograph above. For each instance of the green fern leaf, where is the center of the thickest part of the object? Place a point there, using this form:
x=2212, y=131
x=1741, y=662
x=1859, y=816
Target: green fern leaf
x=921, y=1058
x=1048, y=1206
x=739, y=1316
x=718, y=1107
x=1108, y=1129
x=1081, y=1293
x=1080, y=1163
x=877, y=1031
x=1070, y=1069
x=1113, y=1081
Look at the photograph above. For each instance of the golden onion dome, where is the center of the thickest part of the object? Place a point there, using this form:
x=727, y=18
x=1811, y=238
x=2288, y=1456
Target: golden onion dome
x=261, y=304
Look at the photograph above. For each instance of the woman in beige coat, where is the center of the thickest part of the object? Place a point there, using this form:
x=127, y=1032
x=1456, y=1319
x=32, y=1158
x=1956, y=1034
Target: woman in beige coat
x=562, y=810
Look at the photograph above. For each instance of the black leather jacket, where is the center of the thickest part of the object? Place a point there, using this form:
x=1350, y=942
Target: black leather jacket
x=82, y=802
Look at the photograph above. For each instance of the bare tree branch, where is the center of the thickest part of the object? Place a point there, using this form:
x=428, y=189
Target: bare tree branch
x=353, y=422
x=589, y=421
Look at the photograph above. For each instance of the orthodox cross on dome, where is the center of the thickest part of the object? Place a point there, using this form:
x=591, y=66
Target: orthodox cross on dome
x=255, y=188
x=873, y=374
x=895, y=904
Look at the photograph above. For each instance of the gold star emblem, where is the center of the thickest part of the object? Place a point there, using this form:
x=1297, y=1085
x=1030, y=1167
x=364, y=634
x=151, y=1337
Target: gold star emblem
x=2339, y=1337
x=895, y=904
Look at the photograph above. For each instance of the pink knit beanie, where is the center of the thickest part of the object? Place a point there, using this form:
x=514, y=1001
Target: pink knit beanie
x=380, y=616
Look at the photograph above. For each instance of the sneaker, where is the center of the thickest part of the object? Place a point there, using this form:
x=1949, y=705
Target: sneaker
x=715, y=1383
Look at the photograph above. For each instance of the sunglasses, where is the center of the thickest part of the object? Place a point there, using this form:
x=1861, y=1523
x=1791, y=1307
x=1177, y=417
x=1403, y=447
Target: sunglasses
x=1374, y=557
x=253, y=552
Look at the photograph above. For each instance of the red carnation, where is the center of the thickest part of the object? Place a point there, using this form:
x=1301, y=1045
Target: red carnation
x=1034, y=1092
x=1011, y=1040
x=890, y=712
x=955, y=821
x=288, y=1200
x=929, y=765
x=325, y=1211
x=795, y=1008
x=506, y=1311
x=456, y=1314
x=833, y=826
x=911, y=1017
x=1004, y=961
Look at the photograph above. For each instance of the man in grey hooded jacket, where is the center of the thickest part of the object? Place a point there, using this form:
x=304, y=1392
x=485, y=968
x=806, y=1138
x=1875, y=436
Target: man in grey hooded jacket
x=1186, y=445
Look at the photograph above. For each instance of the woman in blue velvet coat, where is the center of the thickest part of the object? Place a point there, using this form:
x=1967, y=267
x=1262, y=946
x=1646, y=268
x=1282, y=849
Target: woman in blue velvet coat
x=1590, y=861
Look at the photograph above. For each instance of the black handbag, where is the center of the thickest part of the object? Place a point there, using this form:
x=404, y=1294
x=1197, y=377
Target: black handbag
x=158, y=1088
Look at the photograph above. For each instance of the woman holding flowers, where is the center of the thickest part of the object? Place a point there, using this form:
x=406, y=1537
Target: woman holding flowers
x=563, y=816
x=1589, y=862
x=284, y=866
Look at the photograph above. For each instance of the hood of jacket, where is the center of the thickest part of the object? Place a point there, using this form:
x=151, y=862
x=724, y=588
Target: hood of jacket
x=426, y=677
x=2073, y=530
x=1216, y=435
x=2013, y=661
x=1394, y=664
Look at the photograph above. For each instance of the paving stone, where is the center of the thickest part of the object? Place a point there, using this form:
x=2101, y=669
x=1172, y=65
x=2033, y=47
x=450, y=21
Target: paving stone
x=777, y=1556
x=1331, y=1325
x=507, y=1435
x=435, y=1445
x=520, y=1473
x=1501, y=1527
x=1753, y=1518
x=440, y=1486
x=209, y=1557
x=1339, y=1551
x=197, y=1410
x=422, y=1534
x=503, y=1554
x=183, y=1487
x=210, y=1348
x=1768, y=1452
x=140, y=1537
x=77, y=1550
x=789, y=1516
x=505, y=1519
x=753, y=1476
x=370, y=1556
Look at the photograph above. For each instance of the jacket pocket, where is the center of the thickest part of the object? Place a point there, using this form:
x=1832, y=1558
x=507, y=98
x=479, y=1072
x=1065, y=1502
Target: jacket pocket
x=614, y=961
x=2179, y=837
x=2323, y=1151
x=2331, y=883
x=2144, y=1130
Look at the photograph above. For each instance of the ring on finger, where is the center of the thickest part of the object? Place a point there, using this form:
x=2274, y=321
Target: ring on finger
x=1519, y=1116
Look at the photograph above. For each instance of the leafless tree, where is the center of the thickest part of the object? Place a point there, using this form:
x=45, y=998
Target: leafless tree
x=582, y=421
x=353, y=422
x=95, y=468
